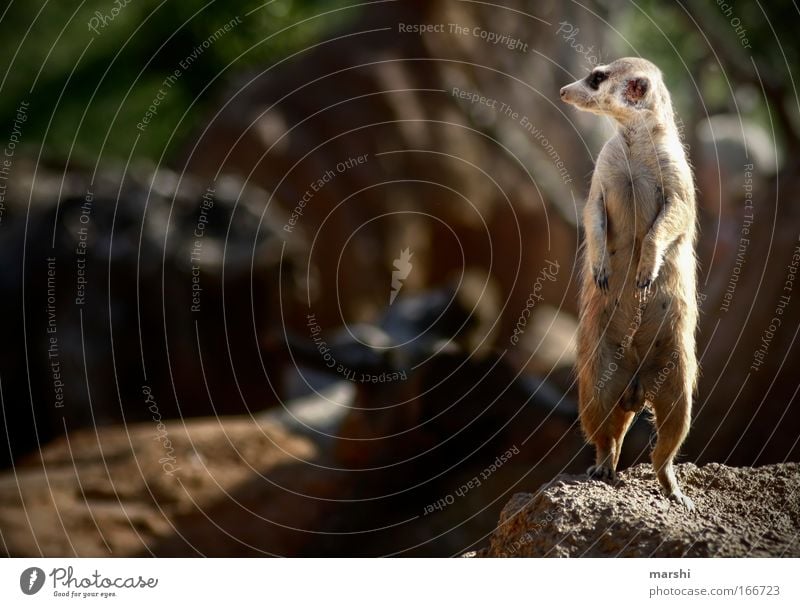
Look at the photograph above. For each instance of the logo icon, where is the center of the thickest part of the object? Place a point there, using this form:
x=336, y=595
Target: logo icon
x=31, y=580
x=403, y=269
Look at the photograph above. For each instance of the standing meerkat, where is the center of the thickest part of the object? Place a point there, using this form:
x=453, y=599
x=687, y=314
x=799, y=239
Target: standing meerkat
x=638, y=308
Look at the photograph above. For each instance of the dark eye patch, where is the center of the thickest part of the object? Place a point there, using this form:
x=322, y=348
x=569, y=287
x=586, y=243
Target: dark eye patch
x=595, y=78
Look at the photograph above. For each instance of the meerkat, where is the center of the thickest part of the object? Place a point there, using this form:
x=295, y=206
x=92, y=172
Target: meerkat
x=638, y=305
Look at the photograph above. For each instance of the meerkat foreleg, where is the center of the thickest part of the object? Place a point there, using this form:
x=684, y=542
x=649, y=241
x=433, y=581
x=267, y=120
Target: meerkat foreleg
x=595, y=226
x=668, y=225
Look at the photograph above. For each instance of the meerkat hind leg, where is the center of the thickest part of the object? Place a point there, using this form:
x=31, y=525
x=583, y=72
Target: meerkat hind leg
x=672, y=422
x=608, y=444
x=603, y=468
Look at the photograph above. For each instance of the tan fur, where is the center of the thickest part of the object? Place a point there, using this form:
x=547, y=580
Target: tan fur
x=638, y=261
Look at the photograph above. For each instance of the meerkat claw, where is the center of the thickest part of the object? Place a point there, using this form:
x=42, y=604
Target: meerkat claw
x=601, y=280
x=643, y=293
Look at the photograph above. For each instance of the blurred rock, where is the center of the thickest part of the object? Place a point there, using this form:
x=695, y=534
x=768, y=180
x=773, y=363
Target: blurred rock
x=426, y=379
x=146, y=280
x=741, y=512
x=288, y=483
x=749, y=251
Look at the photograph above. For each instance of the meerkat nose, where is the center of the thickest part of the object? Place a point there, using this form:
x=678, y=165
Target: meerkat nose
x=563, y=92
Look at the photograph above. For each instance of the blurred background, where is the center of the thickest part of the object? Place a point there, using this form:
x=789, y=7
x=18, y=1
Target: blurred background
x=299, y=278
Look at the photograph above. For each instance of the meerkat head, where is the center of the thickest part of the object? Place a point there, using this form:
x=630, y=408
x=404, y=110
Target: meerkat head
x=629, y=90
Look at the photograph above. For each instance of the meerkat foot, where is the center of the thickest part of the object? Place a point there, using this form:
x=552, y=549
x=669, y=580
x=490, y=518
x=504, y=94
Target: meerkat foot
x=681, y=499
x=603, y=473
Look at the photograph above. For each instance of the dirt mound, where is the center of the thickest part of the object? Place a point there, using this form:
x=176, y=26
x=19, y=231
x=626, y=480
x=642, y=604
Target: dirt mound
x=740, y=512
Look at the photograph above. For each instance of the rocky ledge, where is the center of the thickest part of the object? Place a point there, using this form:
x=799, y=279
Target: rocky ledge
x=740, y=512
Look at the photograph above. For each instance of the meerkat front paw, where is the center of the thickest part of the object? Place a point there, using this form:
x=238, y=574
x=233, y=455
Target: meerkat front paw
x=601, y=274
x=647, y=271
x=646, y=274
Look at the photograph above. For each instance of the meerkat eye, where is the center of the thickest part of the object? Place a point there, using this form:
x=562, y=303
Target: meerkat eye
x=595, y=78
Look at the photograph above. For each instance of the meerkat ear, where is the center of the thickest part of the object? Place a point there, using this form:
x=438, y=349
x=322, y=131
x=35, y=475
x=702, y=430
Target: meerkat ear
x=635, y=90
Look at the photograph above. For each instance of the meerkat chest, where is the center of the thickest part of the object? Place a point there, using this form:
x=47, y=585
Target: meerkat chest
x=632, y=187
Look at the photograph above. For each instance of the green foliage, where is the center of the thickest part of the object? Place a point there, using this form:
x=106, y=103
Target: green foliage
x=90, y=89
x=723, y=56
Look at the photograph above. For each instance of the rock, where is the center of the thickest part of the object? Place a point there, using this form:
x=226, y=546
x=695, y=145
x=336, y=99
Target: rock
x=740, y=512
